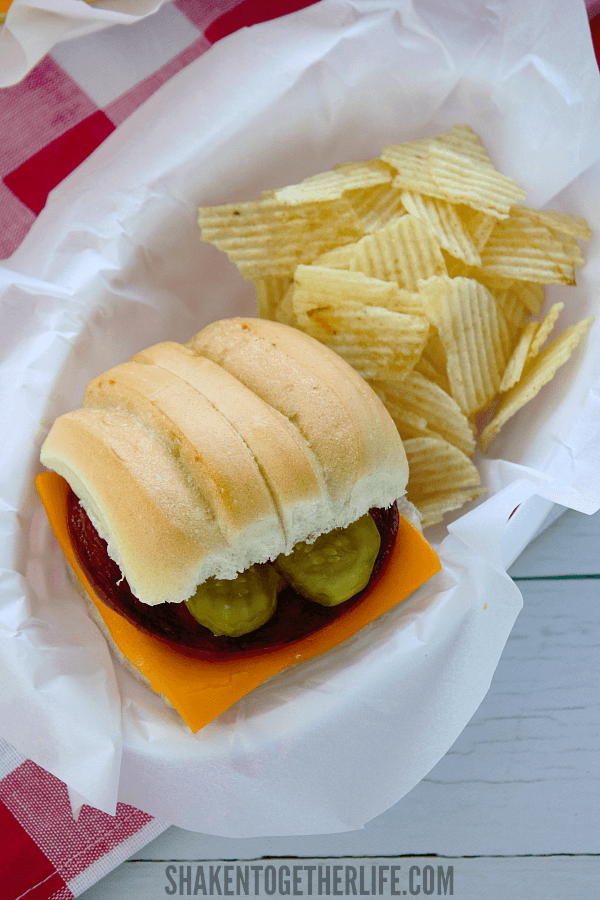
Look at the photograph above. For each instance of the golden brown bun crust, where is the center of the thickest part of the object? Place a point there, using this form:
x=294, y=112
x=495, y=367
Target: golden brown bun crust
x=197, y=461
x=365, y=419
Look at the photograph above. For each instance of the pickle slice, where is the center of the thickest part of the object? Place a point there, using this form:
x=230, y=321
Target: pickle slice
x=234, y=607
x=336, y=566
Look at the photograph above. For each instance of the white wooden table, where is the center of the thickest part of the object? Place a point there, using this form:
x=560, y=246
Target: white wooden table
x=514, y=806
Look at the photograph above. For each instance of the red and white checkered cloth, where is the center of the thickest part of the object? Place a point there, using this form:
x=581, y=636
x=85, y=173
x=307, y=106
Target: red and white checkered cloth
x=75, y=97
x=50, y=123
x=46, y=854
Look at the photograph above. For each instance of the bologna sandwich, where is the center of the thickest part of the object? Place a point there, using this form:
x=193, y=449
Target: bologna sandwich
x=233, y=495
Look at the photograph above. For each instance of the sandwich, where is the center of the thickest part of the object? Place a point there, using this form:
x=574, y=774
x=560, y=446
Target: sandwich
x=233, y=495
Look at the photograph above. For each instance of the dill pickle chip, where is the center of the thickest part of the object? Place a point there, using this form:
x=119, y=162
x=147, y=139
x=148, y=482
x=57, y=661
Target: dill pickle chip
x=234, y=607
x=336, y=566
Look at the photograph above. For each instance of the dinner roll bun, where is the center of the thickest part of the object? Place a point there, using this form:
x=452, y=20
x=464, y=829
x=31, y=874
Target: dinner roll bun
x=199, y=460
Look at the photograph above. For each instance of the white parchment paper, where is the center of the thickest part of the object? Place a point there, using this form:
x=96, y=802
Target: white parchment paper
x=33, y=27
x=114, y=263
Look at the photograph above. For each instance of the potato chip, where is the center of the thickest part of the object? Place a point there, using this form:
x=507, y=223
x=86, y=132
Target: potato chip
x=432, y=509
x=436, y=466
x=338, y=258
x=457, y=268
x=559, y=222
x=411, y=158
x=464, y=140
x=270, y=238
x=572, y=250
x=375, y=255
x=426, y=399
x=479, y=225
x=285, y=311
x=407, y=302
x=460, y=138
x=563, y=227
x=378, y=343
x=435, y=353
x=474, y=335
x=537, y=374
x=376, y=206
x=404, y=251
x=516, y=363
x=422, y=270
x=270, y=291
x=544, y=328
x=408, y=423
x=424, y=367
x=332, y=185
x=531, y=294
x=478, y=185
x=318, y=285
x=433, y=364
x=523, y=250
x=451, y=232
x=453, y=166
x=515, y=311
x=490, y=280
x=317, y=282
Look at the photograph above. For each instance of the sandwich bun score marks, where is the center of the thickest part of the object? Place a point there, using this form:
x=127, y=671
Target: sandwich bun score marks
x=320, y=451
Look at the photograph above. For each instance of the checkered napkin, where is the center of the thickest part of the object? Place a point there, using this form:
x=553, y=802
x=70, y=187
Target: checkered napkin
x=78, y=94
x=46, y=854
x=50, y=122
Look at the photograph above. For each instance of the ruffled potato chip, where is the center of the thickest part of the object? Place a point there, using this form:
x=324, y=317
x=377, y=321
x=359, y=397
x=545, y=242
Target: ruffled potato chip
x=376, y=206
x=332, y=185
x=516, y=363
x=270, y=292
x=451, y=232
x=424, y=398
x=535, y=376
x=475, y=337
x=423, y=270
x=437, y=468
x=559, y=222
x=544, y=329
x=523, y=250
x=269, y=238
x=404, y=251
x=377, y=342
x=432, y=509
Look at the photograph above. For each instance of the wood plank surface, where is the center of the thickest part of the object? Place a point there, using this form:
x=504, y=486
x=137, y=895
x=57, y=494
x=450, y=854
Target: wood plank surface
x=569, y=546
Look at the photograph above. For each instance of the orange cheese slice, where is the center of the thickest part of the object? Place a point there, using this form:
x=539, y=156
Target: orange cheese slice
x=201, y=690
x=4, y=4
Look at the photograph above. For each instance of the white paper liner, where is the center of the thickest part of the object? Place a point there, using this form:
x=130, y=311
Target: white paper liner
x=33, y=27
x=114, y=264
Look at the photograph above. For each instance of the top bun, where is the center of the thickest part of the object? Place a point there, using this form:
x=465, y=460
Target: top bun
x=199, y=460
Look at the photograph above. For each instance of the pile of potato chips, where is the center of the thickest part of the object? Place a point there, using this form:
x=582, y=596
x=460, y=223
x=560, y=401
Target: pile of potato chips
x=422, y=270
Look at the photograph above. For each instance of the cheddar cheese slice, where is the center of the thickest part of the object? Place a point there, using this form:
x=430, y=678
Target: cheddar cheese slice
x=201, y=690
